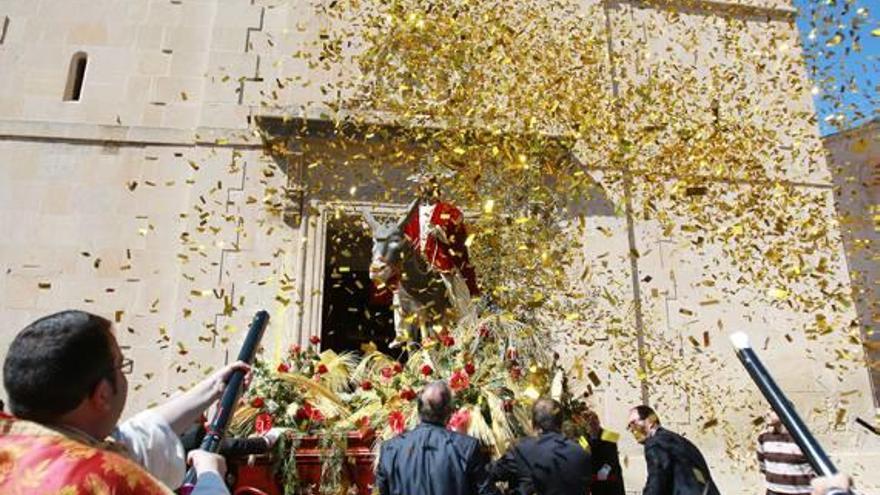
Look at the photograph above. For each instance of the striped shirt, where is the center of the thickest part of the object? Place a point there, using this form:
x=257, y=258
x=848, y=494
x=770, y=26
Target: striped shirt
x=785, y=467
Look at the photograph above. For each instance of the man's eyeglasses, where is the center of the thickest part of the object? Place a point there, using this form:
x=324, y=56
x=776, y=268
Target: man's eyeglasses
x=126, y=366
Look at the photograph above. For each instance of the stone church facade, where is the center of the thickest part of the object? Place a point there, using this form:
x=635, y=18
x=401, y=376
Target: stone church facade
x=854, y=160
x=133, y=185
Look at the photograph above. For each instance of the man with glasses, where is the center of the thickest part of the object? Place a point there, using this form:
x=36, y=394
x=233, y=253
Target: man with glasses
x=64, y=375
x=675, y=465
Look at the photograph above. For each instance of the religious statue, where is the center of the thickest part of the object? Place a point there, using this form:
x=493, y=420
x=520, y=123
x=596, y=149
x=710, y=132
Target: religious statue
x=423, y=261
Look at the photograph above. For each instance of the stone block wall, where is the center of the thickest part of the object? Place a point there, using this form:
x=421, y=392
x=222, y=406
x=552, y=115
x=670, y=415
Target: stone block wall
x=150, y=201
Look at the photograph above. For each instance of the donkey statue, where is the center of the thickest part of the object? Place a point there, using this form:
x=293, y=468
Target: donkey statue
x=423, y=297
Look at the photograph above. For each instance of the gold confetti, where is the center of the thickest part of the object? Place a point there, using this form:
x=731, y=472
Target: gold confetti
x=834, y=40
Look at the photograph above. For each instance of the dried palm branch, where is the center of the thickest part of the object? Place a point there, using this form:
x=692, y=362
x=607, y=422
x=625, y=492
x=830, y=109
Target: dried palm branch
x=371, y=364
x=339, y=367
x=369, y=410
x=315, y=390
x=412, y=417
x=329, y=409
x=417, y=359
x=500, y=424
x=243, y=419
x=478, y=428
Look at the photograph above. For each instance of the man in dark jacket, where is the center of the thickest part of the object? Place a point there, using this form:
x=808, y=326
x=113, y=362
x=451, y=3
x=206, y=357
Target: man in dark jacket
x=675, y=465
x=547, y=464
x=607, y=475
x=431, y=460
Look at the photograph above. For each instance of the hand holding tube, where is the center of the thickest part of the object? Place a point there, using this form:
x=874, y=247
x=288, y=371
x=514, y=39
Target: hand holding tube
x=235, y=382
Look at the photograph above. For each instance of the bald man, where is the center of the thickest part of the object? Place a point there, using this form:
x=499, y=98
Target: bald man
x=431, y=460
x=548, y=463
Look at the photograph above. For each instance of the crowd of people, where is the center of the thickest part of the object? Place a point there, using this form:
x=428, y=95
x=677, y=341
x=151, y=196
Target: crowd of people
x=65, y=378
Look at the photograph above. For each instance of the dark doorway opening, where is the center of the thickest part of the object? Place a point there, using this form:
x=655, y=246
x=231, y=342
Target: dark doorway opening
x=354, y=314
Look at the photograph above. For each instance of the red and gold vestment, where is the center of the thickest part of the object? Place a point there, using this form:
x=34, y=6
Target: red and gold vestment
x=38, y=460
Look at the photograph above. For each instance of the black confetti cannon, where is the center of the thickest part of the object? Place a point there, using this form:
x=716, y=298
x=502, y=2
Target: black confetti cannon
x=814, y=452
x=231, y=394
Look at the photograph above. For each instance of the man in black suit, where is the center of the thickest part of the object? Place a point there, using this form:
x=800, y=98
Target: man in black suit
x=607, y=474
x=675, y=465
x=431, y=460
x=547, y=464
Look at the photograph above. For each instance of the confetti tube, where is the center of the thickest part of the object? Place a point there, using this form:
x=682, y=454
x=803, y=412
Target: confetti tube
x=228, y=401
x=784, y=409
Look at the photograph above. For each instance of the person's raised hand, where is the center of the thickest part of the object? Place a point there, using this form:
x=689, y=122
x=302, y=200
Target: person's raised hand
x=217, y=380
x=824, y=484
x=206, y=462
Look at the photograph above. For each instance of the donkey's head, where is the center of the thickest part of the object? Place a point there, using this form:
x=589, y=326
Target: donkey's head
x=389, y=244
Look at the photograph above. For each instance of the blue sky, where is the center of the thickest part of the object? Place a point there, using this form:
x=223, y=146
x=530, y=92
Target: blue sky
x=848, y=80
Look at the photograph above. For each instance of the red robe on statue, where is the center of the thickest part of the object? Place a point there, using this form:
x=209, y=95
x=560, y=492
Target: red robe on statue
x=36, y=460
x=445, y=257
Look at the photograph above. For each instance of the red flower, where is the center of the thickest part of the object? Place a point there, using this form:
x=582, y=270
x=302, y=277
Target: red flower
x=366, y=385
x=315, y=415
x=263, y=423
x=507, y=405
x=484, y=331
x=307, y=411
x=470, y=369
x=515, y=372
x=460, y=421
x=295, y=349
x=459, y=381
x=258, y=402
x=283, y=368
x=363, y=423
x=322, y=368
x=511, y=353
x=315, y=340
x=407, y=394
x=389, y=371
x=447, y=340
x=397, y=421
x=427, y=370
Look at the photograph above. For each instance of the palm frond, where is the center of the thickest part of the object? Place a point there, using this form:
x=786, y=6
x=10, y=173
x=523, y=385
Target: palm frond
x=478, y=428
x=330, y=409
x=371, y=364
x=339, y=367
x=370, y=410
x=243, y=420
x=315, y=390
x=501, y=429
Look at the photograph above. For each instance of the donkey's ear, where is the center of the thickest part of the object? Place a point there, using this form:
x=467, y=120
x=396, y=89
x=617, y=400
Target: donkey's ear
x=374, y=225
